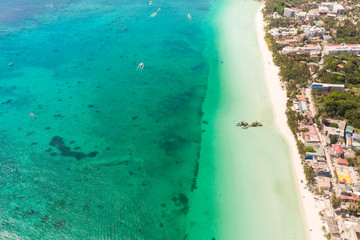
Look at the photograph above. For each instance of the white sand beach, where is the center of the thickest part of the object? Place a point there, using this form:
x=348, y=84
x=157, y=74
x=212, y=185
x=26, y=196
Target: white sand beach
x=278, y=99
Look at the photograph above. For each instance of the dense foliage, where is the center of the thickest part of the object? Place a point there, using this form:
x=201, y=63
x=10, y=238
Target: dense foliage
x=309, y=173
x=342, y=69
x=341, y=105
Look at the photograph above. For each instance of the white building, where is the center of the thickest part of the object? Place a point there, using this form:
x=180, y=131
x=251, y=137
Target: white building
x=291, y=12
x=283, y=32
x=341, y=48
x=332, y=7
x=312, y=31
x=339, y=9
x=310, y=48
x=301, y=15
x=313, y=13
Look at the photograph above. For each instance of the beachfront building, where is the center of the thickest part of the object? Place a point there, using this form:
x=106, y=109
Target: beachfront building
x=291, y=12
x=313, y=31
x=329, y=87
x=311, y=136
x=283, y=32
x=310, y=48
x=331, y=49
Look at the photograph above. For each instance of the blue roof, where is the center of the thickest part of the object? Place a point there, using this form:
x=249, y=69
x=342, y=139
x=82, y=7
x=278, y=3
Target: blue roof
x=317, y=86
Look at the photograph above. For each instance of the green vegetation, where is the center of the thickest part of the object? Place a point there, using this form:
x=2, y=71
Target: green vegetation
x=309, y=149
x=334, y=125
x=333, y=139
x=340, y=105
x=341, y=69
x=347, y=32
x=335, y=201
x=309, y=173
x=272, y=6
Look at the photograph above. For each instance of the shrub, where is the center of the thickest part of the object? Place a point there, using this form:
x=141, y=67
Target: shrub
x=334, y=125
x=309, y=149
x=333, y=139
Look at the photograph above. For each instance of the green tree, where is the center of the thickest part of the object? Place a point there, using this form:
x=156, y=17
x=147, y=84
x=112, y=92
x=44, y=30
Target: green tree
x=333, y=139
x=309, y=149
x=335, y=201
x=309, y=173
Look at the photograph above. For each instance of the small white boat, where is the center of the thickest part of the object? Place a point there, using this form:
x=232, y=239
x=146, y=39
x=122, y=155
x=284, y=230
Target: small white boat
x=154, y=14
x=189, y=16
x=150, y=3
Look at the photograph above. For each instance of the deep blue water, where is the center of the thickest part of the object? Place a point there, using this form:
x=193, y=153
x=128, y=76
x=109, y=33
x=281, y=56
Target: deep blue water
x=113, y=152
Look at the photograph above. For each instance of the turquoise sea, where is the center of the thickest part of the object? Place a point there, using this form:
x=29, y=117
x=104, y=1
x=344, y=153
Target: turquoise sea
x=113, y=152
x=116, y=152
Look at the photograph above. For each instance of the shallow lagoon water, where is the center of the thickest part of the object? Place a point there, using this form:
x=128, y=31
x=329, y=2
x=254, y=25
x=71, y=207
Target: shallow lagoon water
x=116, y=153
x=126, y=143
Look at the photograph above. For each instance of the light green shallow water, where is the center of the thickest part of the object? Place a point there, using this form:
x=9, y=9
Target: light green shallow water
x=256, y=195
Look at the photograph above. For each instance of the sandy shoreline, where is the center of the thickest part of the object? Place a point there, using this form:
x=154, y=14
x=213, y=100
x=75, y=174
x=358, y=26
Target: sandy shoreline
x=278, y=100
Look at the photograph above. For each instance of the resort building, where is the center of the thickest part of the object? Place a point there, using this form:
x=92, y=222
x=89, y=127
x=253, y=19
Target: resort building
x=312, y=31
x=310, y=48
x=332, y=7
x=329, y=87
x=313, y=13
x=283, y=32
x=341, y=48
x=291, y=12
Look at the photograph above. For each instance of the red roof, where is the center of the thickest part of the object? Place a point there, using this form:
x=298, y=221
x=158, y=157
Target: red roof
x=314, y=56
x=312, y=130
x=342, y=161
x=338, y=148
x=352, y=197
